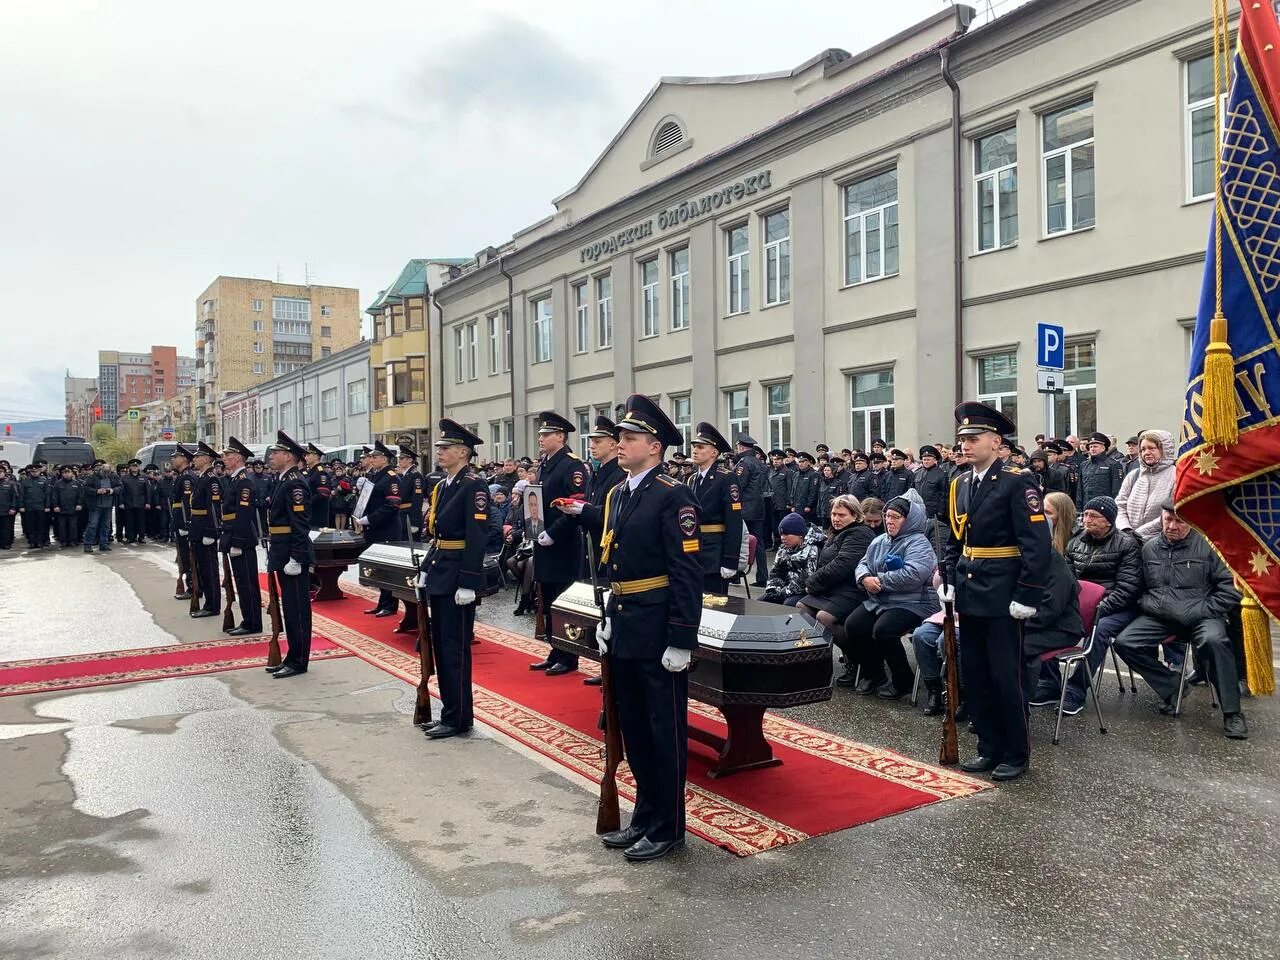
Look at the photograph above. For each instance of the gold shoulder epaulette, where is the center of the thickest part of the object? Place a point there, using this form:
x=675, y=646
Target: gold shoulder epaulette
x=669, y=481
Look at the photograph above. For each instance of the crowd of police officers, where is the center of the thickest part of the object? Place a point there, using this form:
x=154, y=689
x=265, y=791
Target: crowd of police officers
x=662, y=533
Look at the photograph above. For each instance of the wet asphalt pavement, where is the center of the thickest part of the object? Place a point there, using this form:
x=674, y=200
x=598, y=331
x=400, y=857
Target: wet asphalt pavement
x=236, y=816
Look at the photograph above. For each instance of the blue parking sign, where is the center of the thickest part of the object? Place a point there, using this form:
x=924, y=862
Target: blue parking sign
x=1050, y=347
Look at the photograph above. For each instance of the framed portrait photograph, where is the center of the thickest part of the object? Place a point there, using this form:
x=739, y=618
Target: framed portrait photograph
x=535, y=511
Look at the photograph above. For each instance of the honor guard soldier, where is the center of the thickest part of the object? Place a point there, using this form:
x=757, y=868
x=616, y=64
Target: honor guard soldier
x=650, y=555
x=377, y=513
x=412, y=490
x=557, y=553
x=205, y=514
x=995, y=569
x=452, y=573
x=604, y=450
x=719, y=497
x=321, y=484
x=240, y=536
x=180, y=514
x=290, y=552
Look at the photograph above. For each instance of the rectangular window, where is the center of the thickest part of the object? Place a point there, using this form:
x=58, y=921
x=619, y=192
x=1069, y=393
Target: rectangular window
x=326, y=331
x=418, y=379
x=257, y=346
x=329, y=404
x=1075, y=410
x=494, y=328
x=871, y=228
x=682, y=419
x=495, y=437
x=542, y=330
x=473, y=349
x=995, y=186
x=379, y=388
x=739, y=419
x=286, y=416
x=506, y=341
x=509, y=433
x=649, y=296
x=680, y=289
x=287, y=308
x=357, y=397
x=379, y=328
x=1067, y=144
x=278, y=368
x=738, y=268
x=268, y=421
x=872, y=406
x=416, y=308
x=257, y=326
x=584, y=427
x=582, y=318
x=604, y=312
x=257, y=368
x=395, y=319
x=307, y=408
x=1199, y=126
x=326, y=351
x=459, y=358
x=998, y=383
x=777, y=257
x=325, y=312
x=257, y=306
x=778, y=408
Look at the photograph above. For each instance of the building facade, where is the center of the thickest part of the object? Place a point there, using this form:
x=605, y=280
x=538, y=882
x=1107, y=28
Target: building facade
x=251, y=331
x=325, y=402
x=81, y=398
x=405, y=338
x=129, y=380
x=840, y=251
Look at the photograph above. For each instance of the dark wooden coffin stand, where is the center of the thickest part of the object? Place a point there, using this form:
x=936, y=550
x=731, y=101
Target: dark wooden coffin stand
x=335, y=551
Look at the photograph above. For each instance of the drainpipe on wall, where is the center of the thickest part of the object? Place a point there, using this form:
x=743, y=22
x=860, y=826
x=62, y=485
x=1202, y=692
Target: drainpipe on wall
x=434, y=347
x=957, y=261
x=511, y=317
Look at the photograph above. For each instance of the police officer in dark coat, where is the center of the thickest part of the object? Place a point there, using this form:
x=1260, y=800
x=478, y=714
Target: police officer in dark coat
x=321, y=483
x=10, y=501
x=715, y=488
x=802, y=494
x=650, y=557
x=996, y=570
x=154, y=509
x=137, y=494
x=240, y=536
x=378, y=514
x=1101, y=474
x=35, y=510
x=752, y=484
x=205, y=526
x=778, y=476
x=932, y=483
x=290, y=552
x=452, y=573
x=67, y=499
x=557, y=552
x=412, y=490
x=898, y=479
x=180, y=514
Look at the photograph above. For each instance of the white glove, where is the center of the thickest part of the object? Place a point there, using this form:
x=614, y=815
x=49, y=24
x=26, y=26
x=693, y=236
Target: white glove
x=464, y=597
x=413, y=529
x=1020, y=611
x=727, y=574
x=182, y=532
x=293, y=568
x=676, y=659
x=604, y=633
x=573, y=507
x=422, y=579
x=362, y=521
x=235, y=551
x=360, y=482
x=946, y=593
x=544, y=540
x=207, y=541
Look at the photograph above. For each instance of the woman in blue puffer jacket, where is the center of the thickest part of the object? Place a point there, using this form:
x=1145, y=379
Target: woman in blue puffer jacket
x=897, y=574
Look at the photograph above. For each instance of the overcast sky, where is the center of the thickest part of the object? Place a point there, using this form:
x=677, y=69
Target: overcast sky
x=148, y=146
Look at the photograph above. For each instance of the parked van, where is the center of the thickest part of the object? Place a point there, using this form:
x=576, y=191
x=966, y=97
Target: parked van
x=59, y=450
x=158, y=454
x=16, y=452
x=351, y=453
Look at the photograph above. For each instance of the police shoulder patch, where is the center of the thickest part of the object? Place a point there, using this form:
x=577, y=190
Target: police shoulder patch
x=687, y=518
x=1033, y=499
x=298, y=495
x=578, y=478
x=482, y=501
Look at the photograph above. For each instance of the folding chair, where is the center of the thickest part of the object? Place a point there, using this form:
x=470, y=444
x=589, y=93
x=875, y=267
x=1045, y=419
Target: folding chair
x=1189, y=663
x=741, y=576
x=1071, y=658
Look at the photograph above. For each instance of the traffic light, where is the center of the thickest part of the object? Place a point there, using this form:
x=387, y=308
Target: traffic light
x=97, y=413
x=8, y=430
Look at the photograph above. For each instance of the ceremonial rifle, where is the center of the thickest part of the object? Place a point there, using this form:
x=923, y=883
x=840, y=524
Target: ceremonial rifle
x=273, y=611
x=426, y=659
x=229, y=582
x=195, y=572
x=950, y=752
x=607, y=816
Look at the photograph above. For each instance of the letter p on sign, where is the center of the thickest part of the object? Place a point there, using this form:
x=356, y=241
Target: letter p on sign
x=1050, y=347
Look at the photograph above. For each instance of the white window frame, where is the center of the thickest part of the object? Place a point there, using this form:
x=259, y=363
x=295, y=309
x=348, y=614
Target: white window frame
x=604, y=311
x=257, y=346
x=737, y=270
x=329, y=404
x=685, y=426
x=495, y=436
x=542, y=330
x=507, y=340
x=257, y=367
x=473, y=350
x=325, y=311
x=860, y=219
x=1065, y=153
x=257, y=326
x=357, y=398
x=679, y=290
x=291, y=309
x=306, y=411
x=738, y=425
x=268, y=420
x=1190, y=109
x=459, y=362
x=509, y=435
x=583, y=415
x=995, y=174
x=777, y=425
x=494, y=326
x=582, y=318
x=256, y=304
x=996, y=399
x=777, y=255
x=650, y=299
x=874, y=416
x=1071, y=394
x=286, y=416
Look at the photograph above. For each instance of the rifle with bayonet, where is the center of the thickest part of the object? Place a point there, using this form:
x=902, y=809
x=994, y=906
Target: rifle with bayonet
x=273, y=609
x=950, y=751
x=426, y=659
x=608, y=817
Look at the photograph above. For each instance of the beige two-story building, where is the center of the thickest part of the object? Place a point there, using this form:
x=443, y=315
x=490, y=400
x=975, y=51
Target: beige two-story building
x=842, y=250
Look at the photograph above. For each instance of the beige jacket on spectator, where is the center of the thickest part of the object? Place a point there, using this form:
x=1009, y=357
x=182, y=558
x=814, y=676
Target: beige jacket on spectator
x=1145, y=489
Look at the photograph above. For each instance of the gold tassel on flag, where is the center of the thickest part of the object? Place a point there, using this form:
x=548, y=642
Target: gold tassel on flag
x=1259, y=673
x=1218, y=425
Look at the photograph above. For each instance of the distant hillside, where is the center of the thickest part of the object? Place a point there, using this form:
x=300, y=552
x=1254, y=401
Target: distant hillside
x=34, y=430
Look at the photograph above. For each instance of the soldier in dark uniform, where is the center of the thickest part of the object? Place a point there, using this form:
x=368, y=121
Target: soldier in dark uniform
x=377, y=513
x=137, y=493
x=412, y=491
x=996, y=569
x=557, y=553
x=317, y=476
x=240, y=536
x=154, y=509
x=753, y=485
x=180, y=514
x=650, y=557
x=453, y=572
x=35, y=507
x=715, y=488
x=206, y=523
x=290, y=552
x=802, y=491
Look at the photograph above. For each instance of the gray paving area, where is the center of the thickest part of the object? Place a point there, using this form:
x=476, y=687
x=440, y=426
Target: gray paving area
x=236, y=816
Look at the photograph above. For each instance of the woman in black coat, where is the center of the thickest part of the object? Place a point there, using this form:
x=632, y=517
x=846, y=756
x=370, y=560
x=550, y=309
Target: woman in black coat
x=833, y=593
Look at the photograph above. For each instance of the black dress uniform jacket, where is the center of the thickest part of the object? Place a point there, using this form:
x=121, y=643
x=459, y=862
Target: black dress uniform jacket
x=205, y=505
x=459, y=514
x=412, y=493
x=289, y=519
x=383, y=508
x=562, y=475
x=238, y=514
x=779, y=480
x=802, y=493
x=896, y=483
x=720, y=527
x=321, y=484
x=608, y=476
x=931, y=483
x=751, y=483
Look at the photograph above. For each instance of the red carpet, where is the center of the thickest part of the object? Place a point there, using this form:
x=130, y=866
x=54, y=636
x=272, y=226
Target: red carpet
x=148, y=663
x=825, y=783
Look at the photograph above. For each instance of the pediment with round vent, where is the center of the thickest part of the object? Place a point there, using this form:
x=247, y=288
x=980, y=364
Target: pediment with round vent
x=669, y=134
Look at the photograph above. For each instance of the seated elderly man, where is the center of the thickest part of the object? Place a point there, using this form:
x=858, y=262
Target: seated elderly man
x=1112, y=559
x=1187, y=593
